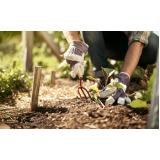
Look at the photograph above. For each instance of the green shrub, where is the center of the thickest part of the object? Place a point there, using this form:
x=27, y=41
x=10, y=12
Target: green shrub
x=13, y=79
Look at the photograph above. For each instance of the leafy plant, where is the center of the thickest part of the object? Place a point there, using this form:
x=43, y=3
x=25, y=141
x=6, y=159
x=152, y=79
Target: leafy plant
x=13, y=79
x=150, y=68
x=142, y=97
x=115, y=84
x=94, y=93
x=106, y=73
x=138, y=73
x=94, y=79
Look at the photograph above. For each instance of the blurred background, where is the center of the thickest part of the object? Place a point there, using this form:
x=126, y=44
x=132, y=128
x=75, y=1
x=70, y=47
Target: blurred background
x=29, y=48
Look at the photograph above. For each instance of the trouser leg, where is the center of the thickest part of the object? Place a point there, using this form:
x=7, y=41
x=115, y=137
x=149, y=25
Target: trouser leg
x=96, y=50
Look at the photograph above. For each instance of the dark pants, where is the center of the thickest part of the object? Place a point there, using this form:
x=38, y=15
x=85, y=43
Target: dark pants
x=114, y=45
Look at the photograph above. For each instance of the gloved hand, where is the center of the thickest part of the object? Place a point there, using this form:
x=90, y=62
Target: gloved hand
x=118, y=93
x=75, y=56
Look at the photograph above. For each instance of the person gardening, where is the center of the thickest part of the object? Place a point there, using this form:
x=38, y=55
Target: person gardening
x=133, y=47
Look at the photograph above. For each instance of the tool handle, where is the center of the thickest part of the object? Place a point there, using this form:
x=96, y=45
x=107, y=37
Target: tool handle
x=80, y=72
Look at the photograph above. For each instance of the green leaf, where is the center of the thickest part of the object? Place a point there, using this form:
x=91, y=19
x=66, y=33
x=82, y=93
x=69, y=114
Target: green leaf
x=108, y=71
x=138, y=103
x=138, y=73
x=151, y=81
x=117, y=84
x=91, y=78
x=94, y=88
x=143, y=95
x=110, y=86
x=95, y=97
x=105, y=74
x=150, y=68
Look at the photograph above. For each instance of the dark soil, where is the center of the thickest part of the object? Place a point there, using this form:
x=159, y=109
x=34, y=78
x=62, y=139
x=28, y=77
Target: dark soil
x=77, y=114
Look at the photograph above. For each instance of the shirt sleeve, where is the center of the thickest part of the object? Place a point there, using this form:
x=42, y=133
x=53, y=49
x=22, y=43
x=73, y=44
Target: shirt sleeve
x=140, y=36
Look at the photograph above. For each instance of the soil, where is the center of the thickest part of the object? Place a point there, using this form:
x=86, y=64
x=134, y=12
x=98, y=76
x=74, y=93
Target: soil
x=72, y=113
x=83, y=114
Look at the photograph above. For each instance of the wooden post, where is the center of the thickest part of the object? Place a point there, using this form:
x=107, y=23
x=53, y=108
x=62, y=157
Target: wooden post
x=53, y=77
x=153, y=120
x=14, y=64
x=35, y=87
x=27, y=39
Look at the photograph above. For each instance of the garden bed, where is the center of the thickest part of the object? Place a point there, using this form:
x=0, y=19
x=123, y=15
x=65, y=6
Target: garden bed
x=61, y=108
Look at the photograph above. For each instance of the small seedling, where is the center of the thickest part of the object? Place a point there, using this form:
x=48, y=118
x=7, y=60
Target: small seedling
x=106, y=73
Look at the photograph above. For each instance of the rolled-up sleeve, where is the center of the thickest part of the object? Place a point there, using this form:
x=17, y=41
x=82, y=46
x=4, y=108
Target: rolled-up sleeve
x=140, y=36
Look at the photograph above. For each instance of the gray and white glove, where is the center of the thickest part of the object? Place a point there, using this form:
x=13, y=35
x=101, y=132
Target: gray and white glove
x=75, y=56
x=117, y=93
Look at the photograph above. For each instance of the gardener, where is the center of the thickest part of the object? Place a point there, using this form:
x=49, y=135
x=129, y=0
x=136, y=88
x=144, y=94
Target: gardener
x=134, y=47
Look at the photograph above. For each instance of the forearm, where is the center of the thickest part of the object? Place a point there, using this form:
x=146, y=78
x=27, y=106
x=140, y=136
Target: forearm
x=71, y=36
x=132, y=57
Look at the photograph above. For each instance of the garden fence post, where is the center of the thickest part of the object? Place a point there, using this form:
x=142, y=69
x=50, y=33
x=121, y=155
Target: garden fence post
x=35, y=87
x=14, y=64
x=27, y=39
x=53, y=77
x=153, y=120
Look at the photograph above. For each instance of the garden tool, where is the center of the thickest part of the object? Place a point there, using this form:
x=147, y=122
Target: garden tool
x=80, y=87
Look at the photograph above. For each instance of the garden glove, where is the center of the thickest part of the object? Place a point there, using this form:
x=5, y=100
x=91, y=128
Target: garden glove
x=118, y=93
x=75, y=56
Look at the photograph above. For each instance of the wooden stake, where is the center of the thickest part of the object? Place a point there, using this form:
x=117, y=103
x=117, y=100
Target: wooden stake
x=35, y=88
x=27, y=39
x=14, y=64
x=53, y=77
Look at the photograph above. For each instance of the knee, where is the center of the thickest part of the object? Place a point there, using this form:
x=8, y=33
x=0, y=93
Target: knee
x=92, y=36
x=150, y=52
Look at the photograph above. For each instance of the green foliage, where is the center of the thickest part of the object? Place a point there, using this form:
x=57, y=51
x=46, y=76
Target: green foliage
x=151, y=81
x=115, y=64
x=13, y=79
x=108, y=71
x=94, y=93
x=59, y=38
x=150, y=68
x=142, y=97
x=138, y=73
x=94, y=79
x=138, y=103
x=115, y=84
x=6, y=35
x=91, y=78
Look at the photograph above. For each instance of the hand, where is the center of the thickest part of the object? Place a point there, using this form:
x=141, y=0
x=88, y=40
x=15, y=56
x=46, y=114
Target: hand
x=119, y=93
x=75, y=56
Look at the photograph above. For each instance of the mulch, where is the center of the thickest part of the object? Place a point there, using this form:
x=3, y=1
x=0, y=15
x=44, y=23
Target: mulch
x=85, y=114
x=61, y=108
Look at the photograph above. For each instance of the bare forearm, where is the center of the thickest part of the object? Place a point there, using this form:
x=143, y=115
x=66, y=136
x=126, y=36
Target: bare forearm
x=71, y=36
x=132, y=57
